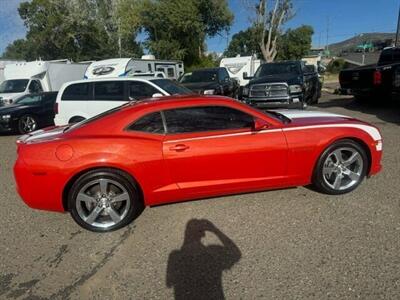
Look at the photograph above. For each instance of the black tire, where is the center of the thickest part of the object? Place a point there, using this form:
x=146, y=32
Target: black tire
x=110, y=175
x=27, y=123
x=321, y=182
x=77, y=119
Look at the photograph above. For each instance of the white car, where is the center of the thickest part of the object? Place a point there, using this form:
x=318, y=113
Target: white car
x=83, y=99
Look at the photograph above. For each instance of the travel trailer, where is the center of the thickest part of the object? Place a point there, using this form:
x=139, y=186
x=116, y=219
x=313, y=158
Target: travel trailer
x=125, y=67
x=236, y=66
x=37, y=76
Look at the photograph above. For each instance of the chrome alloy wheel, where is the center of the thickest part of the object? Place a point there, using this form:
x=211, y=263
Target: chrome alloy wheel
x=343, y=168
x=103, y=203
x=28, y=124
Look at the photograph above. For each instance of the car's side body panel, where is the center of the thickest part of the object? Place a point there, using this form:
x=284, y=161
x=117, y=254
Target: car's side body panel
x=209, y=164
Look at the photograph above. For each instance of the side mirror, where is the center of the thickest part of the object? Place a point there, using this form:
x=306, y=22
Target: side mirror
x=157, y=95
x=260, y=124
x=246, y=77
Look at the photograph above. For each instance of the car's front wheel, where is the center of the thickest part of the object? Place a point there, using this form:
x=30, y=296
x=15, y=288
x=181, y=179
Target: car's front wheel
x=104, y=200
x=27, y=124
x=341, y=168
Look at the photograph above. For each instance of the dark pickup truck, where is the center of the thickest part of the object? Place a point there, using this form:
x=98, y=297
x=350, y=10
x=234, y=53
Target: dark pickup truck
x=381, y=80
x=286, y=84
x=211, y=81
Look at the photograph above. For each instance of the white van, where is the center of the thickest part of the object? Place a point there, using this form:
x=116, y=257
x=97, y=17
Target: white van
x=38, y=76
x=121, y=67
x=236, y=66
x=83, y=99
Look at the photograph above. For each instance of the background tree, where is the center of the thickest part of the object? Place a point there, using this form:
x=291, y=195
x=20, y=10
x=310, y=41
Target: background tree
x=178, y=28
x=75, y=29
x=294, y=43
x=244, y=43
x=268, y=22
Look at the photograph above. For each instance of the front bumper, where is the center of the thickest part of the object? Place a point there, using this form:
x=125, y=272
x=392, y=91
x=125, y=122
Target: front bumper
x=293, y=101
x=6, y=127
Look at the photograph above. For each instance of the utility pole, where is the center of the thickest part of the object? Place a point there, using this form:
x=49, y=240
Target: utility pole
x=327, y=35
x=396, y=44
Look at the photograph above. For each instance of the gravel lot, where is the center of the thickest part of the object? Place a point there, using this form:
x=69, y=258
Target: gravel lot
x=285, y=244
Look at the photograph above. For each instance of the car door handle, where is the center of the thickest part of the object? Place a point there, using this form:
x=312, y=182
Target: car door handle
x=179, y=147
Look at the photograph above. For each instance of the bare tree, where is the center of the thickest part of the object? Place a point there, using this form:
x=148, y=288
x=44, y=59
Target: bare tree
x=268, y=22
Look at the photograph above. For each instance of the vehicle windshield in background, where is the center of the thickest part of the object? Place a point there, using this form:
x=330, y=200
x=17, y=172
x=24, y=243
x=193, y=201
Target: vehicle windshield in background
x=28, y=99
x=276, y=68
x=14, y=86
x=200, y=76
x=171, y=87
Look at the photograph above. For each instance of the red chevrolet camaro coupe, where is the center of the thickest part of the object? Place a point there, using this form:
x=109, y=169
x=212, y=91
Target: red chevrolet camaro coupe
x=105, y=170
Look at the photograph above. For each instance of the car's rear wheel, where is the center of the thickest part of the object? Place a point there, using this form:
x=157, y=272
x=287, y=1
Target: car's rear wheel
x=27, y=123
x=341, y=168
x=104, y=200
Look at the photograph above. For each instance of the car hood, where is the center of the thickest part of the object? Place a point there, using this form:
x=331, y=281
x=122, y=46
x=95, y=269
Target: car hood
x=12, y=108
x=288, y=78
x=196, y=86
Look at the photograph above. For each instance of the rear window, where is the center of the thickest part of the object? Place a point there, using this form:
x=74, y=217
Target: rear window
x=109, y=90
x=171, y=87
x=77, y=92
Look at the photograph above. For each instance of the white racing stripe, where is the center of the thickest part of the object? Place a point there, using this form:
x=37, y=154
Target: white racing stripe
x=297, y=114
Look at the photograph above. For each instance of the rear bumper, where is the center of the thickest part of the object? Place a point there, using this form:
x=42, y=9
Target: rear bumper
x=38, y=189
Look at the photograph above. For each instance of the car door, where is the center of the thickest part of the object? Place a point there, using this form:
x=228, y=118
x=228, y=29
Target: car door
x=213, y=149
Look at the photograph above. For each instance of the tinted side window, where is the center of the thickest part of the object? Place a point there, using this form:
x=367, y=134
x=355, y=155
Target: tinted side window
x=151, y=123
x=207, y=118
x=138, y=90
x=109, y=90
x=35, y=86
x=223, y=74
x=49, y=98
x=77, y=91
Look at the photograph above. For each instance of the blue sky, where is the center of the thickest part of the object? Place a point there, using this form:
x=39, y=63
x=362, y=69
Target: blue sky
x=346, y=19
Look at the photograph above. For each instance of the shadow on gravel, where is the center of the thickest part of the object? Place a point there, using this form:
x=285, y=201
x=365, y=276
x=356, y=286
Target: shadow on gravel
x=387, y=111
x=195, y=270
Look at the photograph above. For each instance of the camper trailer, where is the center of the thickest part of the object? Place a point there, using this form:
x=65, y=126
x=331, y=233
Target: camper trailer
x=236, y=66
x=124, y=67
x=37, y=76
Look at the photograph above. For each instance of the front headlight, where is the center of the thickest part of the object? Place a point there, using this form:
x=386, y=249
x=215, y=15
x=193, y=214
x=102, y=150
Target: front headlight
x=209, y=92
x=295, y=88
x=245, y=91
x=5, y=117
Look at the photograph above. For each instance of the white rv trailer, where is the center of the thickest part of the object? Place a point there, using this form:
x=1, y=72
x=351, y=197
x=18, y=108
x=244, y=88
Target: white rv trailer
x=3, y=63
x=121, y=67
x=36, y=76
x=236, y=66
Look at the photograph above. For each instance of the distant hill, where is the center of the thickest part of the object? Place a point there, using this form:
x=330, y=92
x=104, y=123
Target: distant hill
x=352, y=43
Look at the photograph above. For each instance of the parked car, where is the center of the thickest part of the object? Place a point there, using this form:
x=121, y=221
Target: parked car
x=211, y=81
x=80, y=100
x=287, y=84
x=28, y=113
x=188, y=147
x=33, y=77
x=381, y=80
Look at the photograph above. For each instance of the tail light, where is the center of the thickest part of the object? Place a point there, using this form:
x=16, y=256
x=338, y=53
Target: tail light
x=56, y=108
x=377, y=77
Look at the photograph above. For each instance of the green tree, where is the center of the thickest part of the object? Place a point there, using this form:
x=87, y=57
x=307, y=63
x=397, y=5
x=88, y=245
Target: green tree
x=178, y=28
x=75, y=29
x=243, y=43
x=295, y=43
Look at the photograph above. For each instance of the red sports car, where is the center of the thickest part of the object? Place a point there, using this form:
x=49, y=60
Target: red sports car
x=106, y=169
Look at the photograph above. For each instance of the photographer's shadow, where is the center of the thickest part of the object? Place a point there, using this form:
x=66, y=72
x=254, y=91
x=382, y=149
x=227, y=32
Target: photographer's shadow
x=195, y=270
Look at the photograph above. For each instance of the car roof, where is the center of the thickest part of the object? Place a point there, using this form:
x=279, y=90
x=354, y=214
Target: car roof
x=208, y=69
x=134, y=78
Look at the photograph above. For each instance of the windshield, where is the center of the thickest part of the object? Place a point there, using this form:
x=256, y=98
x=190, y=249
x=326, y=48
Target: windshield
x=29, y=99
x=276, y=68
x=14, y=86
x=200, y=76
x=171, y=87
